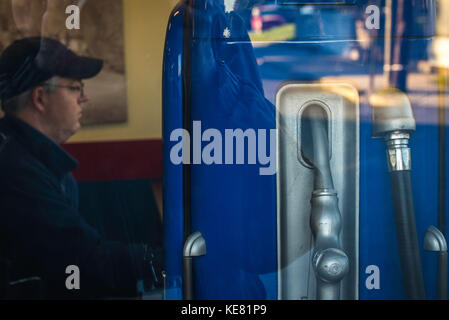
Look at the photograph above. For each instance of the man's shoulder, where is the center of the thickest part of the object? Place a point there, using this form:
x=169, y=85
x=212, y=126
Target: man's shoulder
x=16, y=162
x=12, y=153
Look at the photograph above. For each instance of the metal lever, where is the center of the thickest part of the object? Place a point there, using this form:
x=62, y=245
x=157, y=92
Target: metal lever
x=434, y=241
x=195, y=246
x=330, y=262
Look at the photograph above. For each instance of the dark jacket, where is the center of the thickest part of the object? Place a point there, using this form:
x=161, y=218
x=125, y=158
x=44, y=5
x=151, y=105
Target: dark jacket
x=41, y=232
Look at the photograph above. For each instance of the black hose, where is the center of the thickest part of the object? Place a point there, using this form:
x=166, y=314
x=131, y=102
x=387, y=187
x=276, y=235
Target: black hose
x=406, y=234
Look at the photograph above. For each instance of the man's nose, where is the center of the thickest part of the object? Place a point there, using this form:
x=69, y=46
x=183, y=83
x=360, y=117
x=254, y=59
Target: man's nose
x=83, y=97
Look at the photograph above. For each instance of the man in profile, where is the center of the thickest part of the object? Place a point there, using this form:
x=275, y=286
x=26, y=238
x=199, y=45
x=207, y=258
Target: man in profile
x=41, y=231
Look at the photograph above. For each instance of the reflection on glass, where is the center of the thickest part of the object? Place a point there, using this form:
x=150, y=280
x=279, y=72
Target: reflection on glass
x=441, y=44
x=272, y=22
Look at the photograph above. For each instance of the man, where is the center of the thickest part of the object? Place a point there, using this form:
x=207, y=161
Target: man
x=41, y=232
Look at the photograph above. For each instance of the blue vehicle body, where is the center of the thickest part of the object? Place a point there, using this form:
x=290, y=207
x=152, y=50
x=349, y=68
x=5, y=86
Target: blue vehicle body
x=216, y=78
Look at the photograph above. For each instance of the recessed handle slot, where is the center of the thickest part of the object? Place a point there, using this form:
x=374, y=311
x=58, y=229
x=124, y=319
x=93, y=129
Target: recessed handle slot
x=305, y=145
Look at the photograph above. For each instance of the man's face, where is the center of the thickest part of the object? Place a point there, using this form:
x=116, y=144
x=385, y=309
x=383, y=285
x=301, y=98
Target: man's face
x=63, y=109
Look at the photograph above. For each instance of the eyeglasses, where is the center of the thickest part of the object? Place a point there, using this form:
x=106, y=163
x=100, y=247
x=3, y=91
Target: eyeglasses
x=79, y=88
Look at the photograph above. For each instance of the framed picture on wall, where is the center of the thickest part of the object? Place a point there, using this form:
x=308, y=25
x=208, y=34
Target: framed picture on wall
x=100, y=35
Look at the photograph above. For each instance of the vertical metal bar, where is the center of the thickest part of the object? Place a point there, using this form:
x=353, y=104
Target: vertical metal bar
x=436, y=242
x=187, y=284
x=442, y=151
x=387, y=36
x=442, y=276
x=187, y=278
x=195, y=246
x=399, y=54
x=187, y=123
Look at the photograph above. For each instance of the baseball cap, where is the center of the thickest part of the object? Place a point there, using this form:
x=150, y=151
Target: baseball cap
x=29, y=62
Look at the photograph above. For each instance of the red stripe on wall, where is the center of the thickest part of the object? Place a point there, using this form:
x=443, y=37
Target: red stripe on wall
x=124, y=160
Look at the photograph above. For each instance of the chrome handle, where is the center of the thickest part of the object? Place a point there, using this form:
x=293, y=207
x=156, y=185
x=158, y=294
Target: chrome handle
x=330, y=263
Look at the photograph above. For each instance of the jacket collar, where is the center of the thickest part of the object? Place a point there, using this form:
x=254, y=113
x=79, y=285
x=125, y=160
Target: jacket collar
x=44, y=149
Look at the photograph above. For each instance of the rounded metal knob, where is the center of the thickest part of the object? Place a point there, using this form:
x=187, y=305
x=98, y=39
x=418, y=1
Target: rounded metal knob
x=331, y=265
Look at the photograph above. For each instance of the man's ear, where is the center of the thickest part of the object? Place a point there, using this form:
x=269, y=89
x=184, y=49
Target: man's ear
x=39, y=99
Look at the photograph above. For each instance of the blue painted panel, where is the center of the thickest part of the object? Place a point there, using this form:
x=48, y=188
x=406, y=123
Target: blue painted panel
x=233, y=205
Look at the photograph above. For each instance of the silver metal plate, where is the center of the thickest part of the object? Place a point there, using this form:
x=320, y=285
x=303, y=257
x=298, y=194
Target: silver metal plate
x=296, y=278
